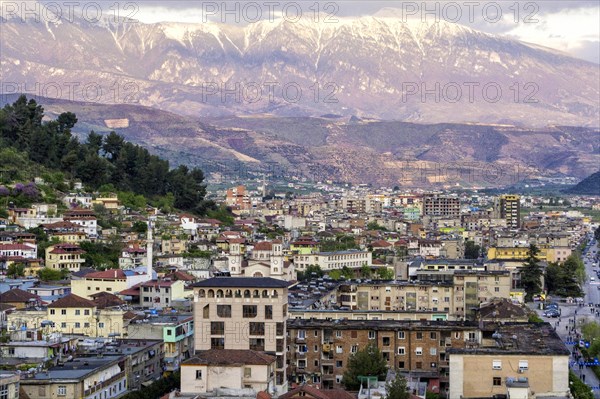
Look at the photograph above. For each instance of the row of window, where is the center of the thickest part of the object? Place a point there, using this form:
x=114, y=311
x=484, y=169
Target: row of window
x=248, y=311
x=386, y=340
x=86, y=312
x=237, y=294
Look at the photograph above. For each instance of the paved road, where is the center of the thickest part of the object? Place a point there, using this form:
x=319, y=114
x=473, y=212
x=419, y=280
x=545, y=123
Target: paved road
x=572, y=316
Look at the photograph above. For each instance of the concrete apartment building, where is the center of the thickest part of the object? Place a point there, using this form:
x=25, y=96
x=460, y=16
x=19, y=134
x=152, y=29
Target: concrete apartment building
x=242, y=313
x=519, y=360
x=509, y=208
x=334, y=260
x=319, y=350
x=9, y=385
x=436, y=205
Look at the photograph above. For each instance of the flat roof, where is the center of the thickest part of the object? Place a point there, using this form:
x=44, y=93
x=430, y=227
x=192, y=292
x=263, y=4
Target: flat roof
x=242, y=282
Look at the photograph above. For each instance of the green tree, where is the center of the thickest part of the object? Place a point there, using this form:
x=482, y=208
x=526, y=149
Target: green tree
x=347, y=273
x=375, y=226
x=472, y=250
x=335, y=274
x=15, y=270
x=365, y=362
x=365, y=271
x=48, y=274
x=383, y=273
x=310, y=272
x=579, y=389
x=531, y=273
x=397, y=388
x=139, y=227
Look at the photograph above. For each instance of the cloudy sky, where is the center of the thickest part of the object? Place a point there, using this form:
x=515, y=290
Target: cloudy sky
x=569, y=26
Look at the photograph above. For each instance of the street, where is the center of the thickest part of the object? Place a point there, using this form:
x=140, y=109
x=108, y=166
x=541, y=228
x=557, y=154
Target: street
x=568, y=325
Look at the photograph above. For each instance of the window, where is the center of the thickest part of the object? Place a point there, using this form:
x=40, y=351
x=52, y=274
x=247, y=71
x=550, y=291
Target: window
x=62, y=390
x=301, y=334
x=316, y=348
x=206, y=312
x=249, y=311
x=419, y=365
x=257, y=328
x=338, y=334
x=77, y=325
x=339, y=363
x=472, y=336
x=497, y=364
x=86, y=325
x=77, y=312
x=247, y=372
x=497, y=381
x=401, y=364
x=268, y=312
x=354, y=349
x=100, y=325
x=432, y=335
x=496, y=289
x=217, y=343
x=198, y=374
x=401, y=350
x=257, y=344
x=339, y=349
x=419, y=335
x=316, y=363
x=523, y=364
x=224, y=311
x=63, y=325
x=63, y=312
x=433, y=351
x=52, y=311
x=386, y=341
x=400, y=334
x=353, y=334
x=419, y=351
x=279, y=329
x=371, y=334
x=302, y=349
x=217, y=328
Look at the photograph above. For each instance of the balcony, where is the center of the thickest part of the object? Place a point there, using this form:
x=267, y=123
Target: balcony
x=102, y=385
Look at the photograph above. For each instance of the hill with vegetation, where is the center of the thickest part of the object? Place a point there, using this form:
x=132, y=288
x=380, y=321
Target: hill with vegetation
x=588, y=186
x=34, y=145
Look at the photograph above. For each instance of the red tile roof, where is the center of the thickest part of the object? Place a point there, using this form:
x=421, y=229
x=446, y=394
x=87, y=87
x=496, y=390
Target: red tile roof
x=110, y=274
x=72, y=301
x=263, y=246
x=230, y=357
x=17, y=296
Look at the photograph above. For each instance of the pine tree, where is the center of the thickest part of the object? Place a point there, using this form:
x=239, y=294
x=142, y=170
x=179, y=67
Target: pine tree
x=366, y=362
x=397, y=388
x=531, y=273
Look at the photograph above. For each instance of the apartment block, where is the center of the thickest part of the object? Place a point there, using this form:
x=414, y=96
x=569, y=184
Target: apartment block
x=243, y=313
x=319, y=350
x=434, y=205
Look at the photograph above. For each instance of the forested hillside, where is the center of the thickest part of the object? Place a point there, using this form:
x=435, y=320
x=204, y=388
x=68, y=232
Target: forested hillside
x=101, y=161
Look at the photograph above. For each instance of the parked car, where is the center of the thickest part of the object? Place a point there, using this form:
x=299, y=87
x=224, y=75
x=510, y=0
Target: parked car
x=551, y=313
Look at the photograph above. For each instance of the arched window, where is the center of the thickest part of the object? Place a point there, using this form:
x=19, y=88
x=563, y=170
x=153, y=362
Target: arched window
x=228, y=293
x=219, y=293
x=201, y=294
x=257, y=274
x=247, y=294
x=265, y=294
x=255, y=294
x=275, y=295
x=211, y=294
x=238, y=293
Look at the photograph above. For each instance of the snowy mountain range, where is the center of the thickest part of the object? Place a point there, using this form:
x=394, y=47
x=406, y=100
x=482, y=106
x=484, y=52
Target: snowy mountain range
x=372, y=67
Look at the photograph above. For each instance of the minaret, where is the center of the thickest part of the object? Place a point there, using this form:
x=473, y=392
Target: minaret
x=149, y=245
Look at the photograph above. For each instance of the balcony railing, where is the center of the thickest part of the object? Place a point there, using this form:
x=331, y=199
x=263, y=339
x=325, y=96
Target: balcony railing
x=104, y=384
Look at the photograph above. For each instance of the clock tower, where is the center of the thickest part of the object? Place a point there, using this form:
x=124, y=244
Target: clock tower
x=276, y=258
x=234, y=259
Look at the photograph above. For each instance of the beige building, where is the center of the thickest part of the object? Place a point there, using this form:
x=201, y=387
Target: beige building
x=111, y=280
x=334, y=260
x=243, y=313
x=521, y=360
x=230, y=368
x=64, y=256
x=73, y=314
x=9, y=385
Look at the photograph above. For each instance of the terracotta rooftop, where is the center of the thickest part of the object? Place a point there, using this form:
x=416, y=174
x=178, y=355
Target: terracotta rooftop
x=110, y=274
x=263, y=246
x=17, y=296
x=231, y=357
x=72, y=301
x=106, y=300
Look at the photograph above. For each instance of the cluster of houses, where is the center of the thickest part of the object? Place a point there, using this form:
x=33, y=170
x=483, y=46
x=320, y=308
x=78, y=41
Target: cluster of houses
x=275, y=303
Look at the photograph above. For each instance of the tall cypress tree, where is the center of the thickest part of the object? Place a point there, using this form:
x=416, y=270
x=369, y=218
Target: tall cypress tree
x=531, y=273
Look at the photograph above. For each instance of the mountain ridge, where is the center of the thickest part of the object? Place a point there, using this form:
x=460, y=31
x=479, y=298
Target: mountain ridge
x=365, y=66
